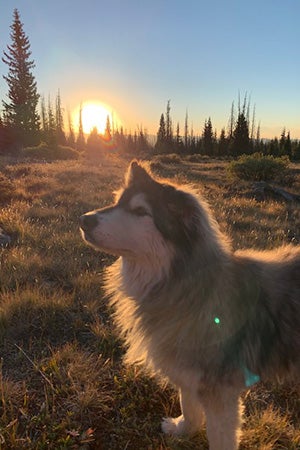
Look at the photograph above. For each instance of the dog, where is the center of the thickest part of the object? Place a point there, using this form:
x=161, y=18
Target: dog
x=211, y=321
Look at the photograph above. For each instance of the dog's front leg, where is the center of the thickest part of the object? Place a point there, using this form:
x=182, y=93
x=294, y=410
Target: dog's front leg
x=223, y=418
x=191, y=419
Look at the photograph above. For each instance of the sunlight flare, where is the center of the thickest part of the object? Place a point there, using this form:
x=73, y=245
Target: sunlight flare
x=94, y=115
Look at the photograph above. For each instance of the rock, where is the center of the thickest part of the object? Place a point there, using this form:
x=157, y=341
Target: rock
x=5, y=240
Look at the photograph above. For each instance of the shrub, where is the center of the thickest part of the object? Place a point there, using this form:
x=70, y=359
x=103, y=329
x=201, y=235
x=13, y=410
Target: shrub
x=258, y=167
x=44, y=152
x=196, y=158
x=168, y=158
x=7, y=189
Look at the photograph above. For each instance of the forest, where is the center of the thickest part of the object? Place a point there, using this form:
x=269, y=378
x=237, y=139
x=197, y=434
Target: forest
x=28, y=119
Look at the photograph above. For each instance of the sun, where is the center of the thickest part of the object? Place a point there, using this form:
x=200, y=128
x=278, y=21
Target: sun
x=95, y=115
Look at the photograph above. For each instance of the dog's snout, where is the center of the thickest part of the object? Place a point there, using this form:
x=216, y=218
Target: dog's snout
x=88, y=221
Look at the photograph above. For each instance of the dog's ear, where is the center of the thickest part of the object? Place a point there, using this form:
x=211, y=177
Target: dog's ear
x=137, y=174
x=182, y=207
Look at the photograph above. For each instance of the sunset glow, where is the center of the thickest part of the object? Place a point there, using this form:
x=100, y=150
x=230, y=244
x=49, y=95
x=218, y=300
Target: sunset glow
x=93, y=115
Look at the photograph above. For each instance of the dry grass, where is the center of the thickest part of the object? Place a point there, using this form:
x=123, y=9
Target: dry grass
x=62, y=381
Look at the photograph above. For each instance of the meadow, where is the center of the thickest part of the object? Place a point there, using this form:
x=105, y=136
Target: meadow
x=62, y=381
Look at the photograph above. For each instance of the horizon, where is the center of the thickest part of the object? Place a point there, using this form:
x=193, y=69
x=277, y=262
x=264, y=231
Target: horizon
x=133, y=58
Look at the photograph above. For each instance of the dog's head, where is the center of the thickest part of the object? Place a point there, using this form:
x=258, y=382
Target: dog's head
x=148, y=218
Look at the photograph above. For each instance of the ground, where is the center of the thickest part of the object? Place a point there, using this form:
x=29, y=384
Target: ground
x=63, y=383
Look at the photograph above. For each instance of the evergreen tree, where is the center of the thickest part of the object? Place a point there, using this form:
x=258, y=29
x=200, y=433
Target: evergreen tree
x=288, y=146
x=169, y=130
x=160, y=145
x=21, y=110
x=71, y=136
x=178, y=140
x=241, y=141
x=80, y=142
x=223, y=144
x=208, y=138
x=44, y=117
x=51, y=134
x=231, y=123
x=93, y=143
x=274, y=147
x=107, y=131
x=59, y=119
x=282, y=142
x=186, y=131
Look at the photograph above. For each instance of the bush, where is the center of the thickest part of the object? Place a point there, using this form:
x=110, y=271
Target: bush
x=7, y=189
x=44, y=152
x=258, y=167
x=196, y=158
x=168, y=158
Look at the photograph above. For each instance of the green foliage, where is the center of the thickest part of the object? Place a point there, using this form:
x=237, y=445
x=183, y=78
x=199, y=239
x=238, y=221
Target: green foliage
x=44, y=152
x=258, y=167
x=20, y=112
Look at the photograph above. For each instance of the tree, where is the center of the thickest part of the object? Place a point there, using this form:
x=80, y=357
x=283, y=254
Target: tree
x=21, y=110
x=231, y=123
x=107, y=132
x=178, y=139
x=59, y=119
x=160, y=145
x=208, y=138
x=51, y=138
x=169, y=130
x=80, y=142
x=288, y=145
x=186, y=131
x=44, y=117
x=241, y=141
x=93, y=143
x=71, y=136
x=223, y=143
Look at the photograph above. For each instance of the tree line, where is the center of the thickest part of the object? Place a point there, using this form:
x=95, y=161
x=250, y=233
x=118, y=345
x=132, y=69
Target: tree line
x=28, y=118
x=241, y=137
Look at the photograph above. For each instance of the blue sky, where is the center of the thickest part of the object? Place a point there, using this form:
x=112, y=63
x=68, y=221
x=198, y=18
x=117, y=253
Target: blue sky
x=136, y=55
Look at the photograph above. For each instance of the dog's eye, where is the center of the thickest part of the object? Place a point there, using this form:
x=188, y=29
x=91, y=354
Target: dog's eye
x=140, y=211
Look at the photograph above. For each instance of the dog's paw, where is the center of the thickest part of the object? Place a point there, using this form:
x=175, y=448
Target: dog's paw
x=175, y=427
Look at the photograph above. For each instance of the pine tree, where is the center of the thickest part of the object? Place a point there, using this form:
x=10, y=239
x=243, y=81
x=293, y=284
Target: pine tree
x=44, y=117
x=178, y=139
x=241, y=141
x=169, y=129
x=107, y=131
x=51, y=134
x=59, y=120
x=186, y=131
x=223, y=143
x=21, y=110
x=71, y=136
x=288, y=145
x=231, y=123
x=208, y=138
x=160, y=145
x=80, y=142
x=93, y=143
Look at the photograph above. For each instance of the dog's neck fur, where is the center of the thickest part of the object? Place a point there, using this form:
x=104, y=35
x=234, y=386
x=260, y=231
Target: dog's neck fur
x=139, y=277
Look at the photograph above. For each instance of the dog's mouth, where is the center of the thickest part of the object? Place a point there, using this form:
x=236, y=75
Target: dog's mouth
x=88, y=238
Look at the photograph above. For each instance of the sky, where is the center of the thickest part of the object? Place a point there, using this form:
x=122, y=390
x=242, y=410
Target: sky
x=135, y=55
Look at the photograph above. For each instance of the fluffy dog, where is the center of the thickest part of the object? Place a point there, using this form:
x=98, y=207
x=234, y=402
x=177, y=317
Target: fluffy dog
x=213, y=322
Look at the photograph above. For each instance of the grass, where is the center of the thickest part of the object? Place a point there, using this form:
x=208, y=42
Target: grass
x=62, y=381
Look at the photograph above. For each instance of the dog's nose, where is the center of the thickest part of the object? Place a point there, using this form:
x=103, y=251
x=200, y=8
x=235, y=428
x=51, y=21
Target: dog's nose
x=88, y=221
